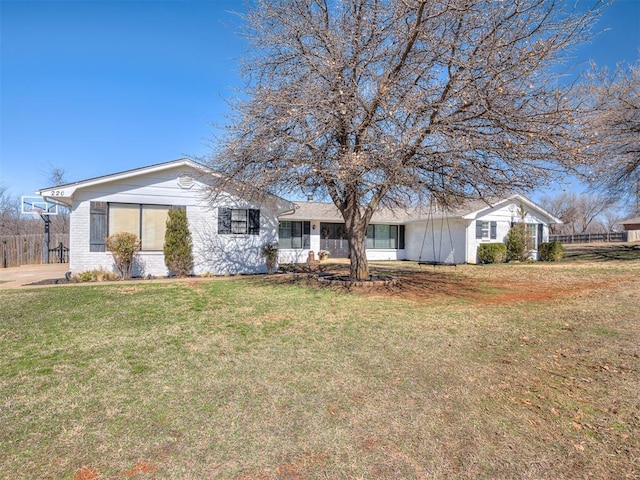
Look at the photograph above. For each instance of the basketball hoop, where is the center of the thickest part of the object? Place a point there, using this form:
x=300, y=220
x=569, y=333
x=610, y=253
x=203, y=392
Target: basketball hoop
x=38, y=206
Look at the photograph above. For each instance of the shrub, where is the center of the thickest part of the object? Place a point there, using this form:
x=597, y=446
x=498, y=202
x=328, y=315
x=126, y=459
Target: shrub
x=492, y=252
x=270, y=254
x=178, y=247
x=517, y=239
x=551, y=251
x=123, y=246
x=97, y=275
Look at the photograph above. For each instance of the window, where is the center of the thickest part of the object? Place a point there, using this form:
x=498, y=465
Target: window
x=147, y=222
x=532, y=233
x=385, y=237
x=98, y=226
x=238, y=221
x=294, y=235
x=486, y=230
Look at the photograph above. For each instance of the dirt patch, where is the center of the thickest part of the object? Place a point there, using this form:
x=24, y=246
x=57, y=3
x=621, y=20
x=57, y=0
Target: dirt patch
x=86, y=473
x=141, y=468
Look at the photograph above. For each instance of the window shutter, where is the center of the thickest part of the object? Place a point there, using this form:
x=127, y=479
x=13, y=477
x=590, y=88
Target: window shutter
x=254, y=222
x=98, y=226
x=540, y=233
x=224, y=220
x=494, y=230
x=401, y=237
x=306, y=235
x=478, y=228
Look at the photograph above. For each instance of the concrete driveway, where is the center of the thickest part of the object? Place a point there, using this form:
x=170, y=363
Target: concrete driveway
x=25, y=275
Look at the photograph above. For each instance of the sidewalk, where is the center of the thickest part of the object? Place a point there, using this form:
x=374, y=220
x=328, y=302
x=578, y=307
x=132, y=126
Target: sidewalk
x=16, y=277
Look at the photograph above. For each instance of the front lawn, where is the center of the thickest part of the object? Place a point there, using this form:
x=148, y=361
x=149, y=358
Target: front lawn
x=503, y=371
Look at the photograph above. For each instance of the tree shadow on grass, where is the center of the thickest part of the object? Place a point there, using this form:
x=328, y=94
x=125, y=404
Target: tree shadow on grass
x=602, y=253
x=413, y=284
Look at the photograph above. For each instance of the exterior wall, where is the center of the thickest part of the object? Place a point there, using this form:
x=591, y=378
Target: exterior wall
x=420, y=245
x=633, y=235
x=385, y=254
x=302, y=255
x=503, y=216
x=213, y=253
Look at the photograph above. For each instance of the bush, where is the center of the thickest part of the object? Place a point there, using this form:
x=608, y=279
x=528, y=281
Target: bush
x=270, y=254
x=178, y=247
x=517, y=238
x=123, y=246
x=492, y=252
x=551, y=251
x=97, y=275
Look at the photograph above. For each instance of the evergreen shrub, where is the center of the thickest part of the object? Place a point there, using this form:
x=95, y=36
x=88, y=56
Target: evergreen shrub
x=517, y=239
x=492, y=252
x=178, y=246
x=551, y=251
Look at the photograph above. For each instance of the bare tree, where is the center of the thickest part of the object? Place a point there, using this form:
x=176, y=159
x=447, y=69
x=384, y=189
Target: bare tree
x=579, y=212
x=9, y=212
x=613, y=124
x=12, y=222
x=392, y=102
x=612, y=220
x=60, y=222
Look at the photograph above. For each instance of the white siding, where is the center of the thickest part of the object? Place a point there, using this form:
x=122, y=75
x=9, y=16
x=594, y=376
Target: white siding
x=213, y=253
x=385, y=254
x=439, y=240
x=504, y=217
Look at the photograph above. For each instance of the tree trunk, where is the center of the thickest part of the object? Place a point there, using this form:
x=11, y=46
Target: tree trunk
x=359, y=269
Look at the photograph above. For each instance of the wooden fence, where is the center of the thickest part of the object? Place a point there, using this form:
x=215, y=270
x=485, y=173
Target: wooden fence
x=590, y=237
x=16, y=250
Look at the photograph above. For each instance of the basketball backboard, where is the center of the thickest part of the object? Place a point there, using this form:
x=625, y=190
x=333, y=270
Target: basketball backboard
x=38, y=205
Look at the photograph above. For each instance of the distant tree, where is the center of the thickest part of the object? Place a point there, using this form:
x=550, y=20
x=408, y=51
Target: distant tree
x=9, y=212
x=611, y=220
x=178, y=246
x=12, y=221
x=613, y=124
x=387, y=102
x=578, y=212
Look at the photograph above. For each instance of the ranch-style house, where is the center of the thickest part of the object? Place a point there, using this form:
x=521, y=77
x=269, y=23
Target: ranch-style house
x=228, y=234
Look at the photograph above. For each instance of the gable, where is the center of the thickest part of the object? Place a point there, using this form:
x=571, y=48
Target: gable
x=182, y=182
x=509, y=210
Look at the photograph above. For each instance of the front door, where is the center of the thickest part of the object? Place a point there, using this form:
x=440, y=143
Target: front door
x=333, y=238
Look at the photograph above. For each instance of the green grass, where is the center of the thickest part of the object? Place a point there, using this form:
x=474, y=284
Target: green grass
x=457, y=373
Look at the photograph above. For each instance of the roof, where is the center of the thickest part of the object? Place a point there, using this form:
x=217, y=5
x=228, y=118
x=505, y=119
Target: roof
x=64, y=193
x=328, y=212
x=68, y=189
x=631, y=221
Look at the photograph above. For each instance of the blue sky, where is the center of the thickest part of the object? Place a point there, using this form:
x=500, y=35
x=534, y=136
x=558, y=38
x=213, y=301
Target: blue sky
x=96, y=87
